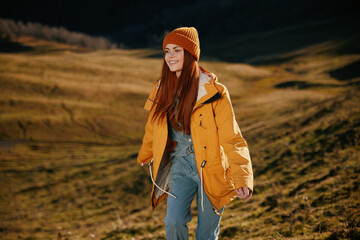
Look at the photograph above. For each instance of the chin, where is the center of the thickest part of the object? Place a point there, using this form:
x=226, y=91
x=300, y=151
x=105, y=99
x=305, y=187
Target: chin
x=172, y=69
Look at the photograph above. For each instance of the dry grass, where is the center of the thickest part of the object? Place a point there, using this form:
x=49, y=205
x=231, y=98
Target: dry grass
x=72, y=123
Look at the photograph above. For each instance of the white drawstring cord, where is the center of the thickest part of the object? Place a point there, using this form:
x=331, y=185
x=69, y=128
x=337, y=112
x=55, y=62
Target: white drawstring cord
x=155, y=182
x=202, y=189
x=201, y=180
x=202, y=192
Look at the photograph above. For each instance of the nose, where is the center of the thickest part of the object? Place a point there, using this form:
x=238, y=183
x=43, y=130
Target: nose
x=171, y=54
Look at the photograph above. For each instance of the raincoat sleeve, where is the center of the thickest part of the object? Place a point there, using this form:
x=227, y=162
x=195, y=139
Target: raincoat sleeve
x=146, y=151
x=232, y=141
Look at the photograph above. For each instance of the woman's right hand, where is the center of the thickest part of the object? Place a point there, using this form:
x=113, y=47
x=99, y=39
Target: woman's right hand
x=244, y=193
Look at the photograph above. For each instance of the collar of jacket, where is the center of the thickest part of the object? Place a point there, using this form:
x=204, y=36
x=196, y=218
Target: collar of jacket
x=207, y=90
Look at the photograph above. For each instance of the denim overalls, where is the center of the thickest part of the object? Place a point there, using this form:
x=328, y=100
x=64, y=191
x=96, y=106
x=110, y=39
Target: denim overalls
x=185, y=183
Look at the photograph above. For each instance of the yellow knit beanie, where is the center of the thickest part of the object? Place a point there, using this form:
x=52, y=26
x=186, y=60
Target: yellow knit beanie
x=186, y=37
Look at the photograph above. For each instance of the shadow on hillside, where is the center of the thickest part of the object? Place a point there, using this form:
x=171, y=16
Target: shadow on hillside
x=38, y=46
x=348, y=72
x=7, y=46
x=283, y=45
x=302, y=85
x=307, y=85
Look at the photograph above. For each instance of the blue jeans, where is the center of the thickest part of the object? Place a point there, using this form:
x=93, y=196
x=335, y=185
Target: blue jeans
x=185, y=183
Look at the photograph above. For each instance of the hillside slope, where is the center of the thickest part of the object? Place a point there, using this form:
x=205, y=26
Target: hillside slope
x=72, y=123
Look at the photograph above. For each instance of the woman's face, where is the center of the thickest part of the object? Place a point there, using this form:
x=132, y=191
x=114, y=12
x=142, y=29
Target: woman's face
x=174, y=57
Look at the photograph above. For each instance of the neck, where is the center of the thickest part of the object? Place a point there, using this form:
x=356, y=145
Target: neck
x=178, y=74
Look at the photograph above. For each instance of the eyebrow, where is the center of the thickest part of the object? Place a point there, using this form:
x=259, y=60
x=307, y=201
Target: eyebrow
x=173, y=47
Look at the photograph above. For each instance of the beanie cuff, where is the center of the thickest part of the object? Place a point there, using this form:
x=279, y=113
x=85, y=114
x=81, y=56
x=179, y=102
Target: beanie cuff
x=186, y=38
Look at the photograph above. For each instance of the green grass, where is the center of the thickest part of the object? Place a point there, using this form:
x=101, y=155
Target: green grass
x=71, y=124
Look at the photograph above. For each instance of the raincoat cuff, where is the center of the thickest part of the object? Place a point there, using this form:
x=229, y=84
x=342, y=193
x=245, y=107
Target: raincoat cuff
x=246, y=181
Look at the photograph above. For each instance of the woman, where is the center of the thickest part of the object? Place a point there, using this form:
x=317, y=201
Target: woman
x=193, y=141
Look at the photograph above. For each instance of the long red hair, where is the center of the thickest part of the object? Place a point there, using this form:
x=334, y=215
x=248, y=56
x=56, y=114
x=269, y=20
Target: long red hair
x=185, y=89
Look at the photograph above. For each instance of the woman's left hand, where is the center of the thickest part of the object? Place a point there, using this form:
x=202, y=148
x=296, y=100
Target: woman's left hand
x=244, y=193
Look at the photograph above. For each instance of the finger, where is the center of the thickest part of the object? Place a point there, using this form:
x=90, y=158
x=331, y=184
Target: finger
x=249, y=197
x=141, y=164
x=240, y=194
x=246, y=191
x=239, y=191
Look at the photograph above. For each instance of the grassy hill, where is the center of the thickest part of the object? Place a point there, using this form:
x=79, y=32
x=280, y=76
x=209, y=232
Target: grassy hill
x=72, y=121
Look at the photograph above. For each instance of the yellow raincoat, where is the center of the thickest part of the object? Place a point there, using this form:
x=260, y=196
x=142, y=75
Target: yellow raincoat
x=221, y=153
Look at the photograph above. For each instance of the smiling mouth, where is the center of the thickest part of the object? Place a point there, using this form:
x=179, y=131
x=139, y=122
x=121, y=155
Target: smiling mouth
x=173, y=62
